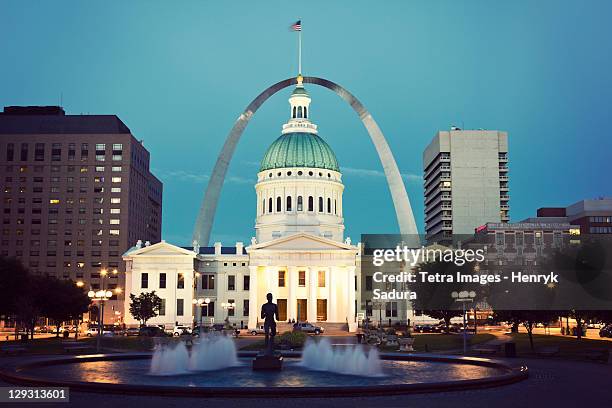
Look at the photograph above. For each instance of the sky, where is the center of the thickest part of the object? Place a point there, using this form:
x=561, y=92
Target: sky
x=179, y=73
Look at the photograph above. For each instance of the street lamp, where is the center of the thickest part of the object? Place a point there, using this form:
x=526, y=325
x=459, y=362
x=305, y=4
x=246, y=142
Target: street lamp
x=228, y=306
x=100, y=296
x=200, y=303
x=80, y=284
x=463, y=297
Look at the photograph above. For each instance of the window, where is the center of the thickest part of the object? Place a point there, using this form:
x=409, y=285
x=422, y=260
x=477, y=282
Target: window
x=231, y=310
x=115, y=210
x=300, y=205
x=144, y=280
x=115, y=200
x=519, y=239
x=281, y=279
x=114, y=221
x=208, y=282
x=499, y=239
x=162, y=308
x=180, y=283
x=288, y=206
x=329, y=205
x=116, y=168
x=310, y=203
x=231, y=282
x=116, y=179
x=115, y=189
x=320, y=204
x=278, y=204
x=302, y=278
x=246, y=282
x=245, y=307
x=321, y=279
x=180, y=306
x=10, y=151
x=391, y=309
x=369, y=283
x=270, y=204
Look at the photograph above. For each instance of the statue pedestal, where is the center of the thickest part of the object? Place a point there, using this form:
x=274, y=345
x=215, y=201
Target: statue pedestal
x=269, y=362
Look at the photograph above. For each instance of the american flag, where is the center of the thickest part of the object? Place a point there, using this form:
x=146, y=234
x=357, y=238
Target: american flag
x=297, y=26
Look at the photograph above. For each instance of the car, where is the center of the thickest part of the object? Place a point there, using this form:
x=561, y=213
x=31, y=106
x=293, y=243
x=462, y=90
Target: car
x=218, y=327
x=181, y=330
x=308, y=328
x=424, y=328
x=257, y=330
x=131, y=331
x=151, y=331
x=606, y=331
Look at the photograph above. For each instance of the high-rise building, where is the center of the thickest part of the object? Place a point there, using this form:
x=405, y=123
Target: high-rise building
x=77, y=193
x=466, y=181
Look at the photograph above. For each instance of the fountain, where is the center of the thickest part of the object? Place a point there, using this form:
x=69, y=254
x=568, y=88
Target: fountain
x=209, y=353
x=321, y=356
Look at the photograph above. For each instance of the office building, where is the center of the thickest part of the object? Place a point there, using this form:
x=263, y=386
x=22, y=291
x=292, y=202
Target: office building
x=465, y=181
x=77, y=193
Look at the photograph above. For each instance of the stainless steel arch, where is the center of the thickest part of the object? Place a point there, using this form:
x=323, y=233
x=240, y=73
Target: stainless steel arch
x=403, y=210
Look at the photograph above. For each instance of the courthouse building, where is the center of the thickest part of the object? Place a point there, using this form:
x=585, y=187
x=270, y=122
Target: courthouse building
x=299, y=252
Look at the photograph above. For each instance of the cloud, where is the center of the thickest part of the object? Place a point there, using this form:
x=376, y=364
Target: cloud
x=411, y=178
x=199, y=178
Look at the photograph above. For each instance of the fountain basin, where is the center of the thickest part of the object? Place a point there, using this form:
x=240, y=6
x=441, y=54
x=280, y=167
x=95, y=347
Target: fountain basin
x=127, y=373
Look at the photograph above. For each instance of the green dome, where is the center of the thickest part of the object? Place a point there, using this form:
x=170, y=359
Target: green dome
x=299, y=150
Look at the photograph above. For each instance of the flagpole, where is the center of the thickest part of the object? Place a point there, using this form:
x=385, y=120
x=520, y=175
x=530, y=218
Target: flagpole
x=300, y=52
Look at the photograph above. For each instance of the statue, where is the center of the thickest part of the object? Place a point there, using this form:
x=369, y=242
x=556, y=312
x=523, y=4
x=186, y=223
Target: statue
x=267, y=360
x=269, y=314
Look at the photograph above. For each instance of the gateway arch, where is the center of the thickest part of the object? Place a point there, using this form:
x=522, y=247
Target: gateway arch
x=403, y=209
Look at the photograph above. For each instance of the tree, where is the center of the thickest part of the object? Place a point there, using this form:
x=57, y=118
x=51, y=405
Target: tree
x=14, y=278
x=145, y=306
x=434, y=299
x=70, y=302
x=528, y=318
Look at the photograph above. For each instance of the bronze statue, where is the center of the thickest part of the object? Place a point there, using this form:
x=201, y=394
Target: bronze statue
x=269, y=314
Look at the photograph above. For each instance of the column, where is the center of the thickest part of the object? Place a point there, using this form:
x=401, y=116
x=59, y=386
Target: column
x=292, y=292
x=312, y=295
x=331, y=297
x=254, y=306
x=351, y=299
x=328, y=286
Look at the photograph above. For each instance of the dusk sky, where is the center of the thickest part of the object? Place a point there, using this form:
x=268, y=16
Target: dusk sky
x=179, y=73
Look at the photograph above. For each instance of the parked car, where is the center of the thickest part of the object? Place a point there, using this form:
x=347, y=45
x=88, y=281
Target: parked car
x=424, y=328
x=93, y=331
x=151, y=331
x=181, y=330
x=606, y=331
x=308, y=328
x=131, y=331
x=257, y=330
x=218, y=327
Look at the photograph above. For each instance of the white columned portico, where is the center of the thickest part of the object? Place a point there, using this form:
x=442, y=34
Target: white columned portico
x=292, y=289
x=331, y=297
x=351, y=299
x=253, y=301
x=312, y=295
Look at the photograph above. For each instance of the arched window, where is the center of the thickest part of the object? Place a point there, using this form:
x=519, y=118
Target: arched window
x=270, y=204
x=288, y=206
x=294, y=108
x=278, y=204
x=300, y=204
x=305, y=112
x=320, y=204
x=335, y=207
x=329, y=205
x=310, y=203
x=299, y=112
x=263, y=211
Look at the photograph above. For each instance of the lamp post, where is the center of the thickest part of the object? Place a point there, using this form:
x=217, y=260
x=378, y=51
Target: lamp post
x=228, y=306
x=463, y=297
x=100, y=296
x=200, y=303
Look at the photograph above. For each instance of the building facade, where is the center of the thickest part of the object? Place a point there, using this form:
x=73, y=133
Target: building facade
x=77, y=190
x=594, y=216
x=465, y=181
x=298, y=253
